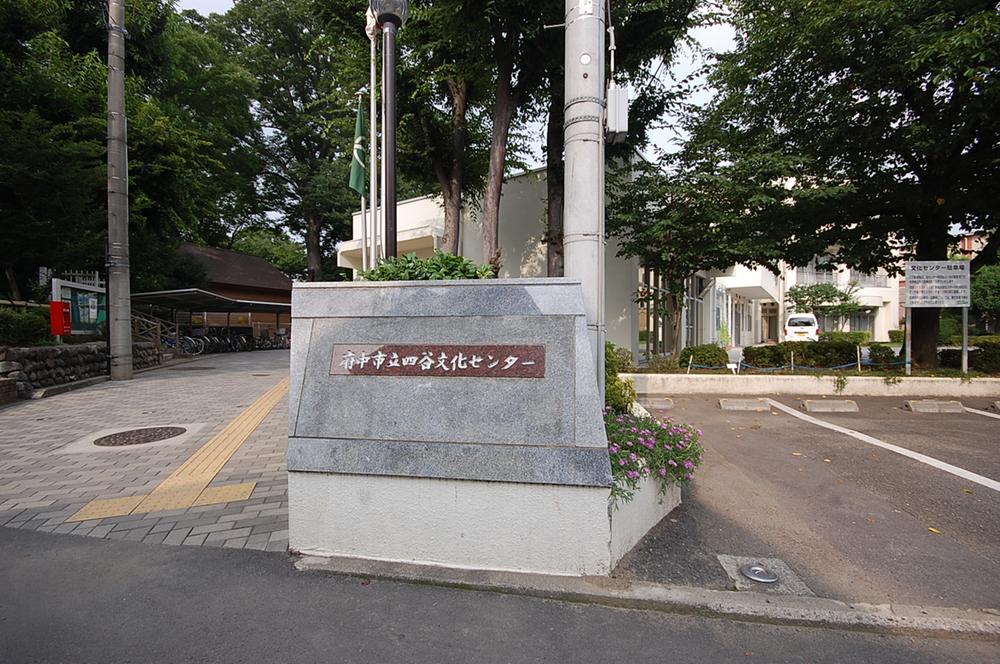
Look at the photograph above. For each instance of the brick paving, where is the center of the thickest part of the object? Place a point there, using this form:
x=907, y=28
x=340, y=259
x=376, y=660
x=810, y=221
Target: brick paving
x=42, y=484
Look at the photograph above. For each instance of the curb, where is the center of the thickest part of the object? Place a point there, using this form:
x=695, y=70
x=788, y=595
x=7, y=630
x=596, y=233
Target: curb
x=619, y=593
x=54, y=390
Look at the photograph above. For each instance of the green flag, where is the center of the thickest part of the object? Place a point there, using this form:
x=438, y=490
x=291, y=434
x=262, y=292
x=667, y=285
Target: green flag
x=357, y=181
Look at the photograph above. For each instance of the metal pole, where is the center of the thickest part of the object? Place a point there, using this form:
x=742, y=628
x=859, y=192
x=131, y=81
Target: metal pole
x=909, y=339
x=364, y=235
x=389, y=133
x=583, y=211
x=965, y=340
x=373, y=153
x=119, y=292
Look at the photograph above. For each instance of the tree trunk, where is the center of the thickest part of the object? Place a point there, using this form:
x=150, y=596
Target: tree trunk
x=15, y=292
x=933, y=246
x=503, y=113
x=314, y=256
x=675, y=311
x=554, y=175
x=452, y=183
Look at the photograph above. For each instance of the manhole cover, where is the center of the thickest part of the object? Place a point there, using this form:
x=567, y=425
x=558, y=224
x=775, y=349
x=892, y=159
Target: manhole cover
x=192, y=368
x=758, y=573
x=138, y=436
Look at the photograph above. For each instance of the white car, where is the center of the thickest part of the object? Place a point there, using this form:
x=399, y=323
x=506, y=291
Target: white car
x=801, y=327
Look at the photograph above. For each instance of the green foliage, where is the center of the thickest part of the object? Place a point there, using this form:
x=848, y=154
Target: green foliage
x=663, y=364
x=641, y=446
x=986, y=291
x=975, y=340
x=856, y=338
x=439, y=266
x=707, y=355
x=985, y=358
x=949, y=327
x=816, y=354
x=823, y=299
x=619, y=394
x=23, y=327
x=865, y=126
x=276, y=248
x=897, y=336
x=764, y=356
x=882, y=355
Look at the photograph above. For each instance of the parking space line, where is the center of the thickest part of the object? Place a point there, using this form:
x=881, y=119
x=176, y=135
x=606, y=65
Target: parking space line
x=982, y=412
x=916, y=456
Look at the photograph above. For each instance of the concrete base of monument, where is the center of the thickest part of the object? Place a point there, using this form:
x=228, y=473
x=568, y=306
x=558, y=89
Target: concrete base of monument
x=548, y=529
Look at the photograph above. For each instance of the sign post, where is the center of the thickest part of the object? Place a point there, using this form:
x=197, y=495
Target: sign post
x=942, y=284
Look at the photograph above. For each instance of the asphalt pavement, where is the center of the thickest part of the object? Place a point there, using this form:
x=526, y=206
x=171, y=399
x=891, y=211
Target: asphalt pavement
x=79, y=600
x=853, y=521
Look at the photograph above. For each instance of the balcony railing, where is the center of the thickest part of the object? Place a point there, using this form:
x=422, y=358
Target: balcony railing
x=871, y=280
x=809, y=277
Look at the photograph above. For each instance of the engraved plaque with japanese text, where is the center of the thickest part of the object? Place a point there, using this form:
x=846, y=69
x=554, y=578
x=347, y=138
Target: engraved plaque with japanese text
x=468, y=361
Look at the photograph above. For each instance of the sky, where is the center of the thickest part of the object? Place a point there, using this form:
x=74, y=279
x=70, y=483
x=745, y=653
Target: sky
x=717, y=38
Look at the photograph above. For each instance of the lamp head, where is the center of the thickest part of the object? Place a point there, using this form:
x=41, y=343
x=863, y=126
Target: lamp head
x=390, y=11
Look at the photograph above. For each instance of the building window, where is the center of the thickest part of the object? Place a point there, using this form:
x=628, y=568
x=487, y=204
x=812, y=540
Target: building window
x=863, y=321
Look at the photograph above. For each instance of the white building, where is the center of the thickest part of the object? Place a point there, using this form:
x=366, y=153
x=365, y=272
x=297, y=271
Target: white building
x=739, y=306
x=420, y=226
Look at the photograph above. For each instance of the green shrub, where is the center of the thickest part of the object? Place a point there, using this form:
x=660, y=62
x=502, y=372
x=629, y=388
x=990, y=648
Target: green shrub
x=856, y=338
x=663, y=363
x=825, y=354
x=706, y=355
x=985, y=358
x=975, y=340
x=439, y=266
x=881, y=355
x=24, y=327
x=764, y=356
x=897, y=336
x=949, y=327
x=619, y=394
x=988, y=360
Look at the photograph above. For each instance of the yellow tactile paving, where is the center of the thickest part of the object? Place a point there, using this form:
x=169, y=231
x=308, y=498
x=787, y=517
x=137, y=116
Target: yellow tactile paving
x=224, y=494
x=188, y=485
x=105, y=507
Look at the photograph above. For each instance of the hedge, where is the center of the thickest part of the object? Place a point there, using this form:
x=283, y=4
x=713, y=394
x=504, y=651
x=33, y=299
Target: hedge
x=880, y=354
x=24, y=327
x=706, y=355
x=856, y=338
x=819, y=354
x=976, y=340
x=897, y=336
x=985, y=358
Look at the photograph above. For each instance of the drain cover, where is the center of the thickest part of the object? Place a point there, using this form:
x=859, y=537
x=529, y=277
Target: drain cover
x=758, y=573
x=138, y=436
x=195, y=368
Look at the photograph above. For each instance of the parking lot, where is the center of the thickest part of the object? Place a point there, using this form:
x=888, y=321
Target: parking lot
x=853, y=520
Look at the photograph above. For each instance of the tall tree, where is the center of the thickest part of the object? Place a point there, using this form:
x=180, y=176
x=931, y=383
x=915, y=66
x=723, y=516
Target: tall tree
x=881, y=117
x=443, y=83
x=308, y=58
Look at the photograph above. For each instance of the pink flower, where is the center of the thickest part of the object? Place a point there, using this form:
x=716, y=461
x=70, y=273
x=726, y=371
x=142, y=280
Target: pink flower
x=663, y=472
x=672, y=462
x=688, y=464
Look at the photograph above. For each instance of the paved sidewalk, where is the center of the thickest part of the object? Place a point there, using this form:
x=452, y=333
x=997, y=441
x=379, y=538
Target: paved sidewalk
x=48, y=472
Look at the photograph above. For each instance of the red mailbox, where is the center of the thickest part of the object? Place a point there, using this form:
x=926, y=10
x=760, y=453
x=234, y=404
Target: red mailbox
x=61, y=319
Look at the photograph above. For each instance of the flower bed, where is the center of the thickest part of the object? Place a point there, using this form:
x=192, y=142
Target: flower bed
x=641, y=446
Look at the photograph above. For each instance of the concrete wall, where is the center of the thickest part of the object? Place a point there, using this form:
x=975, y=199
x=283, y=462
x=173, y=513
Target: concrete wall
x=630, y=521
x=760, y=385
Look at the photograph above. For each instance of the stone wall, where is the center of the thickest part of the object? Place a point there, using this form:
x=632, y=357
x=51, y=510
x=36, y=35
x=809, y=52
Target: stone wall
x=8, y=390
x=45, y=366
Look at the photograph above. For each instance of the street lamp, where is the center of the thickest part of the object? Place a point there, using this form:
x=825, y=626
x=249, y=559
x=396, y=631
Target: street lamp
x=391, y=14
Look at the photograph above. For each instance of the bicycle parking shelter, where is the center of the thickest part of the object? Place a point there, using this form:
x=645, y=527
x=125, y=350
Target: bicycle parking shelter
x=193, y=301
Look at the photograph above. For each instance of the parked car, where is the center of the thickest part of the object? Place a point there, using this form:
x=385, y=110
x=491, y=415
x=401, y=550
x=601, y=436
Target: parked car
x=801, y=327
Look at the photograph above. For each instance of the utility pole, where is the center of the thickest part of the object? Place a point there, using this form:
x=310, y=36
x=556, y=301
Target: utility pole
x=119, y=290
x=583, y=206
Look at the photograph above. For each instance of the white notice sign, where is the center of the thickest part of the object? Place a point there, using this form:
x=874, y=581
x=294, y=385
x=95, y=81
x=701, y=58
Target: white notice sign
x=937, y=284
